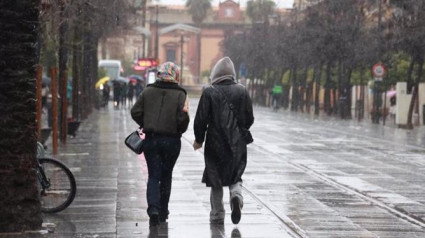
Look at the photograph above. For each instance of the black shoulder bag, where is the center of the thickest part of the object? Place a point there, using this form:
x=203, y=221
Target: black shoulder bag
x=245, y=133
x=134, y=142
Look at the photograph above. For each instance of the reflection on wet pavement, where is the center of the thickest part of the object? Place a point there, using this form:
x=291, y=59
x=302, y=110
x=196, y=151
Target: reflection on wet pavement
x=305, y=178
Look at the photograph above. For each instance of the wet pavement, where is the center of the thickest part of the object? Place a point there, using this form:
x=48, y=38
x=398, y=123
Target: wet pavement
x=306, y=177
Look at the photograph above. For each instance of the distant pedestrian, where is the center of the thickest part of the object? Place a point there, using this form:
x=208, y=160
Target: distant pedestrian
x=44, y=95
x=105, y=95
x=124, y=90
x=139, y=88
x=162, y=112
x=130, y=94
x=117, y=94
x=276, y=93
x=393, y=108
x=225, y=145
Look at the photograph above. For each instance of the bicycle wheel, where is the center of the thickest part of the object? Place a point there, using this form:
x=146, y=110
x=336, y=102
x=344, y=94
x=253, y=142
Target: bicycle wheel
x=57, y=188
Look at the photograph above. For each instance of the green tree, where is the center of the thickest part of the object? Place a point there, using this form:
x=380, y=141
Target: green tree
x=19, y=203
x=198, y=9
x=260, y=10
x=77, y=26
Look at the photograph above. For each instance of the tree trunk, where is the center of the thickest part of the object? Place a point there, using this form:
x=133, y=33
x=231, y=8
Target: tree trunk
x=348, y=91
x=328, y=89
x=334, y=100
x=295, y=93
x=339, y=88
x=362, y=95
x=85, y=82
x=76, y=71
x=317, y=79
x=309, y=92
x=63, y=61
x=94, y=72
x=103, y=47
x=303, y=90
x=19, y=199
x=409, y=75
x=415, y=92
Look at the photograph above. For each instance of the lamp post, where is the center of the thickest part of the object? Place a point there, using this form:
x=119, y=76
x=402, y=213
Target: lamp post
x=154, y=23
x=156, y=31
x=143, y=25
x=181, y=56
x=376, y=100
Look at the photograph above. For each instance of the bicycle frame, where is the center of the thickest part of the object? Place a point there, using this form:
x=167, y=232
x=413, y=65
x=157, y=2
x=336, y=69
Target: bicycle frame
x=45, y=183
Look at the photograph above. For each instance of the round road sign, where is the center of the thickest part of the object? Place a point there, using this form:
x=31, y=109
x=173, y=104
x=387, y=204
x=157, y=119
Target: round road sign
x=378, y=70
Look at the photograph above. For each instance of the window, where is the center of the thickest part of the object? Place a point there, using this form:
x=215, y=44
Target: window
x=171, y=55
x=229, y=12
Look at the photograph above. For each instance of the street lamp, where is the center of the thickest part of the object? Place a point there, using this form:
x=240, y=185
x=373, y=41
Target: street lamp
x=181, y=33
x=155, y=7
x=181, y=56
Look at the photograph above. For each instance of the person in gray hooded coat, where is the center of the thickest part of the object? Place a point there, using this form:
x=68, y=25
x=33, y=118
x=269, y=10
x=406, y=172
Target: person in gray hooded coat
x=224, y=112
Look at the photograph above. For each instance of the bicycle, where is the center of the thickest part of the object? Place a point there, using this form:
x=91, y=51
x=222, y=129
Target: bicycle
x=56, y=183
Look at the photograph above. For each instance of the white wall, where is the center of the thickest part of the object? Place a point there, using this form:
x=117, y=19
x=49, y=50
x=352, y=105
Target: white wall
x=403, y=102
x=421, y=101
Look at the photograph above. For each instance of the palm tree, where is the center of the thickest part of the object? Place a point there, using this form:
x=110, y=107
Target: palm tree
x=19, y=203
x=198, y=9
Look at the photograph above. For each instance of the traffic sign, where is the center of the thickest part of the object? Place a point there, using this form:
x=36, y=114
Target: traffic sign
x=378, y=70
x=243, y=70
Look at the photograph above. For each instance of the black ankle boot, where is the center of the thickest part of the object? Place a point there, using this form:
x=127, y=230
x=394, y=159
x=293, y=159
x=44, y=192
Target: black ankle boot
x=236, y=210
x=154, y=220
x=163, y=218
x=163, y=215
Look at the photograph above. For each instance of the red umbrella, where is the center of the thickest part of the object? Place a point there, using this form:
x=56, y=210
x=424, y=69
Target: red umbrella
x=133, y=80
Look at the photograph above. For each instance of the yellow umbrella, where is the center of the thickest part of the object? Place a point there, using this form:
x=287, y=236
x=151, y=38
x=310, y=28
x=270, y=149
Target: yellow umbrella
x=101, y=81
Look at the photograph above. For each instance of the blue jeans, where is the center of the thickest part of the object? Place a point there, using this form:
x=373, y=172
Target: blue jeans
x=161, y=154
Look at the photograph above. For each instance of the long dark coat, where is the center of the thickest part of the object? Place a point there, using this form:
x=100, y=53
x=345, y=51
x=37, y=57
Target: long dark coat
x=225, y=149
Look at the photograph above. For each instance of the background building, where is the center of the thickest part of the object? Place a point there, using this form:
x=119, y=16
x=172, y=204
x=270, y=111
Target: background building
x=171, y=26
x=303, y=4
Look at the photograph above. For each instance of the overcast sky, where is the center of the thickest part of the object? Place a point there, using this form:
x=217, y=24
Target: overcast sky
x=280, y=3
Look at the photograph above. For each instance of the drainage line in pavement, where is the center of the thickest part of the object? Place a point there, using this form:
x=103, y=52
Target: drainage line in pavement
x=400, y=214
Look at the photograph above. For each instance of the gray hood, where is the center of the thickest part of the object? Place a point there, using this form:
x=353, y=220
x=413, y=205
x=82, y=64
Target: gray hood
x=223, y=69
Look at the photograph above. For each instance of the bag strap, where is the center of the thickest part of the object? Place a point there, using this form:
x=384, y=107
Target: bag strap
x=224, y=97
x=230, y=105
